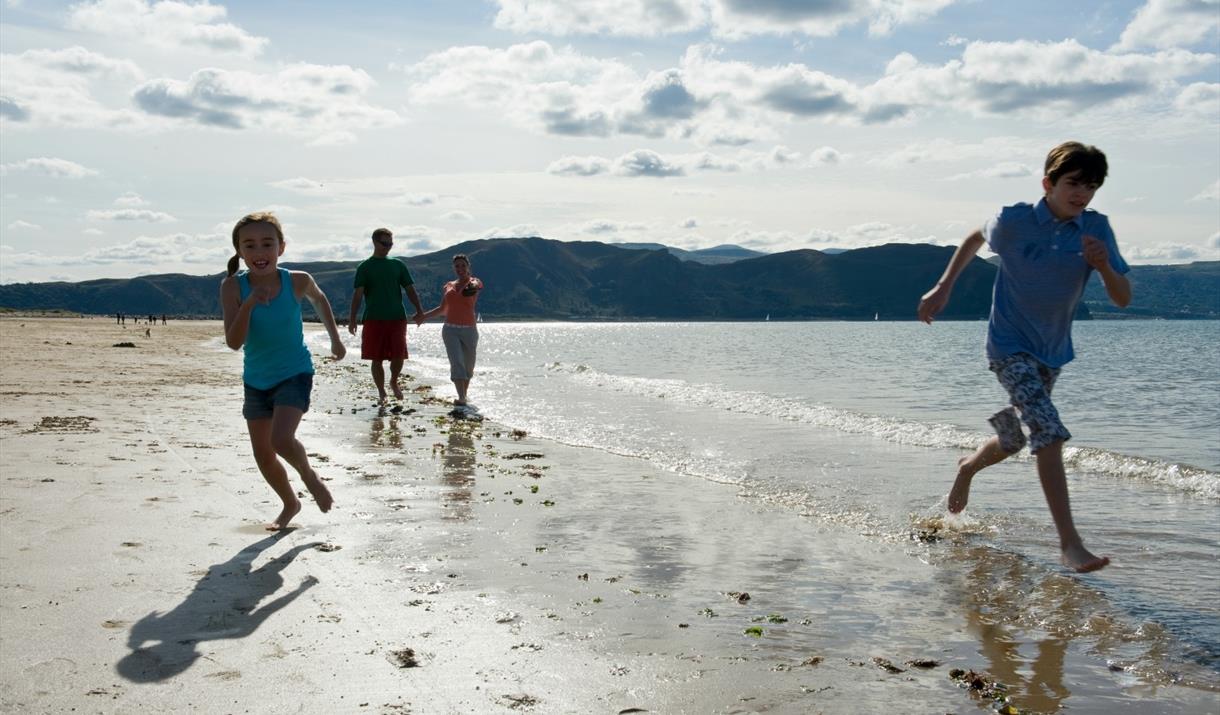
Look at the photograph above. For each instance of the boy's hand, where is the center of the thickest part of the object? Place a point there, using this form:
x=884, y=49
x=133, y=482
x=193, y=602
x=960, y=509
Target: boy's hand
x=1095, y=253
x=351, y=327
x=338, y=349
x=933, y=302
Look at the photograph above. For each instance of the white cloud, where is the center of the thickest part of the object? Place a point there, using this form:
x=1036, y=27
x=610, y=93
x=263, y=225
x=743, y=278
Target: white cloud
x=54, y=88
x=176, y=249
x=130, y=198
x=825, y=155
x=94, y=232
x=413, y=199
x=690, y=222
x=640, y=18
x=301, y=185
x=167, y=24
x=131, y=215
x=49, y=166
x=579, y=166
x=521, y=230
x=1003, y=170
x=325, y=102
x=20, y=225
x=1162, y=253
x=1213, y=241
x=1211, y=193
x=726, y=18
x=1172, y=23
x=457, y=216
x=645, y=162
x=599, y=227
x=1201, y=100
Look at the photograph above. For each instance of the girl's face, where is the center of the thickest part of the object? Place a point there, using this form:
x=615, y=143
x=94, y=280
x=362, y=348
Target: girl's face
x=259, y=245
x=461, y=269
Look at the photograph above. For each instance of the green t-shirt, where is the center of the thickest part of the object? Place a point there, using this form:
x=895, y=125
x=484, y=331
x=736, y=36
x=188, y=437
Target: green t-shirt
x=383, y=280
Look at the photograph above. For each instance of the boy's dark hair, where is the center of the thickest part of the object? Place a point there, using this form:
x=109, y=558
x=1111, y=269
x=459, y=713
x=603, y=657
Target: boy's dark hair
x=1074, y=156
x=256, y=217
x=382, y=232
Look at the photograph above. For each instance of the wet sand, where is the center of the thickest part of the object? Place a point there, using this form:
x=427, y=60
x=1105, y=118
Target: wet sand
x=464, y=568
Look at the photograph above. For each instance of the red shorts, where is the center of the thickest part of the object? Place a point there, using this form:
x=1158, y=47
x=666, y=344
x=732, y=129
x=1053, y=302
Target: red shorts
x=384, y=340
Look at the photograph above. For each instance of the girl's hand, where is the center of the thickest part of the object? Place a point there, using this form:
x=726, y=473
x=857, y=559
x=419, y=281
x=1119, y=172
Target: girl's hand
x=1095, y=253
x=260, y=295
x=338, y=349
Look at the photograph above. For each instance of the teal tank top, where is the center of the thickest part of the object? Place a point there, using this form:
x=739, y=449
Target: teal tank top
x=275, y=343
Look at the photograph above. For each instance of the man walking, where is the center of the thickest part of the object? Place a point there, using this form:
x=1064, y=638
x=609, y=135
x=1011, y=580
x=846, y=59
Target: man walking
x=379, y=283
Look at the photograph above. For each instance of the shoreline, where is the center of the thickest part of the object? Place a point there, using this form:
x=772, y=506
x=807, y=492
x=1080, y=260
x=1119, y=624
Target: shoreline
x=136, y=575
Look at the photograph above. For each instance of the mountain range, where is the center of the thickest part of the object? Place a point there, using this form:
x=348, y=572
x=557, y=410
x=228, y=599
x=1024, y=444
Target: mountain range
x=542, y=279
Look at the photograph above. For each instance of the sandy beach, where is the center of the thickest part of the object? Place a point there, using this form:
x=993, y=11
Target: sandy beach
x=465, y=568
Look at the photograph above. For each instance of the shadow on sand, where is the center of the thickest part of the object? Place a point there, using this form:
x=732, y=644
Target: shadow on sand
x=224, y=604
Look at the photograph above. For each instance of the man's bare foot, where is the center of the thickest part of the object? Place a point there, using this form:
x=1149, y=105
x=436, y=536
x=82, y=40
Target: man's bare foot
x=318, y=490
x=1081, y=560
x=397, y=390
x=960, y=493
x=281, y=521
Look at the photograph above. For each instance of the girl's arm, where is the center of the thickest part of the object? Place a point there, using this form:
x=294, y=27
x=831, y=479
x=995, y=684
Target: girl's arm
x=307, y=287
x=237, y=312
x=936, y=299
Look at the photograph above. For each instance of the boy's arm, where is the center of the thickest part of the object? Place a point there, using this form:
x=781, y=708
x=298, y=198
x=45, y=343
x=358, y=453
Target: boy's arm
x=322, y=306
x=357, y=297
x=936, y=299
x=1117, y=285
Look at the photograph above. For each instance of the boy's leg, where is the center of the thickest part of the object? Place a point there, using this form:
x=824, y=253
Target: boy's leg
x=988, y=453
x=395, y=371
x=284, y=439
x=1054, y=486
x=273, y=472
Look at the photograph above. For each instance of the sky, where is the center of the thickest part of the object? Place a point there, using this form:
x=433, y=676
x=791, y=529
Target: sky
x=134, y=133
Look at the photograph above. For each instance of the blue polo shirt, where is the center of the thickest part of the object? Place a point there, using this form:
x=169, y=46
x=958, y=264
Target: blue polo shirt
x=1041, y=278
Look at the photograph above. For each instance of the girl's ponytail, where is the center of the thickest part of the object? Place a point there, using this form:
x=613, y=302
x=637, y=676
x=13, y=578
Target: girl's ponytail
x=233, y=263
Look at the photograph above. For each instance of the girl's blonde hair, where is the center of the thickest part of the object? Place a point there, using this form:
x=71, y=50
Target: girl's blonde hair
x=256, y=217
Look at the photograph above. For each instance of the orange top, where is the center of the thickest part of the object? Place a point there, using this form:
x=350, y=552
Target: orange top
x=458, y=308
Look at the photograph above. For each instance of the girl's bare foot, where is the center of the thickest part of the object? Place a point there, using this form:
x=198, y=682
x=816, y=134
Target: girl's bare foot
x=281, y=521
x=960, y=493
x=318, y=490
x=397, y=390
x=1081, y=560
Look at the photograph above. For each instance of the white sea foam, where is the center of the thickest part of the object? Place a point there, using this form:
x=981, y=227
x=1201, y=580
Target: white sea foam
x=893, y=429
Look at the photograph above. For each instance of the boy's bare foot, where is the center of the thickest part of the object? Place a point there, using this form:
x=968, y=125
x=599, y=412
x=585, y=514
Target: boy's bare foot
x=318, y=490
x=281, y=521
x=1081, y=560
x=397, y=390
x=960, y=493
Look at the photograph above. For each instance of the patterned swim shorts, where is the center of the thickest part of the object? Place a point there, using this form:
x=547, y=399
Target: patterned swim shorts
x=1029, y=385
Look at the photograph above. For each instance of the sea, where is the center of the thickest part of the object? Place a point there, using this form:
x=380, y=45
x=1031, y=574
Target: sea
x=857, y=427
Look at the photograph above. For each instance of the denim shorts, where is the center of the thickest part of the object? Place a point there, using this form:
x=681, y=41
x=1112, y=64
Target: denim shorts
x=293, y=392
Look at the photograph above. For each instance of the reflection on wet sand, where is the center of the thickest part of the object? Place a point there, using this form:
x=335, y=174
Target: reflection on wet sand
x=994, y=605
x=457, y=472
x=384, y=432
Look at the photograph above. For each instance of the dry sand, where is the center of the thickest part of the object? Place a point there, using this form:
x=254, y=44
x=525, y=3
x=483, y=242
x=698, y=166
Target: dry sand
x=463, y=569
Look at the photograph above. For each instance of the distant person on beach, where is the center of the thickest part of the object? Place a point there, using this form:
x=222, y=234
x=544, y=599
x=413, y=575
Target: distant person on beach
x=460, y=332
x=262, y=315
x=1047, y=252
x=380, y=282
